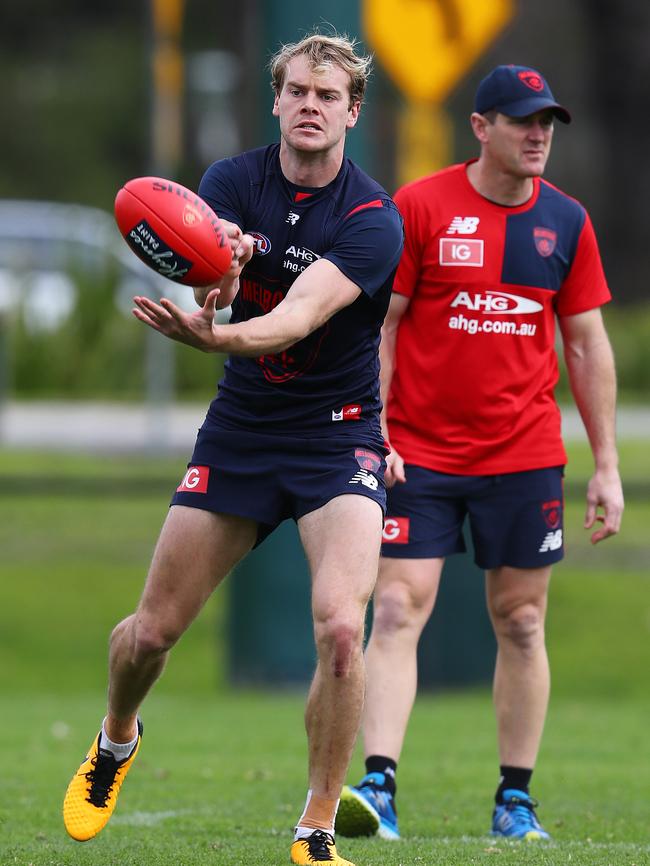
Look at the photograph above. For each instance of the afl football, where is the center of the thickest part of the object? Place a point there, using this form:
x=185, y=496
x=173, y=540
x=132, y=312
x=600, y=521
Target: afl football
x=173, y=231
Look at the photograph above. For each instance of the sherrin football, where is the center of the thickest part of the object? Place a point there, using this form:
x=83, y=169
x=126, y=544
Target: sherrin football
x=173, y=231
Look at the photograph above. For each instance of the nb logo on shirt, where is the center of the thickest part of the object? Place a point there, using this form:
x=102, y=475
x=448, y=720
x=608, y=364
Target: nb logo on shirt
x=463, y=226
x=351, y=412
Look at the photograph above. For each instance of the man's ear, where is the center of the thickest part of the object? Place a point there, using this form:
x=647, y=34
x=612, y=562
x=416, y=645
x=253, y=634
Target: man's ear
x=479, y=126
x=353, y=113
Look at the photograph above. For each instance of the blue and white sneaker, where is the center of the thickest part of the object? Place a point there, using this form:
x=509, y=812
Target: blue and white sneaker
x=367, y=809
x=515, y=818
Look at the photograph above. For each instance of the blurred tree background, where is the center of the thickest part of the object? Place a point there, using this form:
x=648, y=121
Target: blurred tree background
x=79, y=112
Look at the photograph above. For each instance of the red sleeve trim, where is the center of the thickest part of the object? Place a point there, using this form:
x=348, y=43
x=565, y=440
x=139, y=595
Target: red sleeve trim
x=376, y=203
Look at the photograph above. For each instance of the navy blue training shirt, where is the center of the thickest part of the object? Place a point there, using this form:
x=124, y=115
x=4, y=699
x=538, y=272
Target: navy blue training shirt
x=330, y=377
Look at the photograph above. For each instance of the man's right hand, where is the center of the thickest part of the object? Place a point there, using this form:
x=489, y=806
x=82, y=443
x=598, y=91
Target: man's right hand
x=242, y=247
x=394, y=469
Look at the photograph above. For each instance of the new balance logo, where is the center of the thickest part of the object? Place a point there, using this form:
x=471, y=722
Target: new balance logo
x=292, y=218
x=552, y=541
x=365, y=478
x=463, y=226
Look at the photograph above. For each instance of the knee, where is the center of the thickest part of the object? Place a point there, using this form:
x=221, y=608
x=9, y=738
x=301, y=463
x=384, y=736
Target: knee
x=339, y=643
x=398, y=610
x=521, y=626
x=146, y=638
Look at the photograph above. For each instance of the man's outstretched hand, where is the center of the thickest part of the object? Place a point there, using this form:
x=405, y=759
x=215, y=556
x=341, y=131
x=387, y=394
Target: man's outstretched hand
x=194, y=329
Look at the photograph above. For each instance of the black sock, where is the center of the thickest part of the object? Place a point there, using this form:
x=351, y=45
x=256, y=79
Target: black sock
x=387, y=766
x=513, y=777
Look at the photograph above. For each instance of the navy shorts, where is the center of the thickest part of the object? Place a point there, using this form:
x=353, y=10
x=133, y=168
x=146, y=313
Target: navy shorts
x=515, y=519
x=270, y=478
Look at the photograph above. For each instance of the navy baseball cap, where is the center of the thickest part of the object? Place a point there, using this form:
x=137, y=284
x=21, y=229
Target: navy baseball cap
x=517, y=91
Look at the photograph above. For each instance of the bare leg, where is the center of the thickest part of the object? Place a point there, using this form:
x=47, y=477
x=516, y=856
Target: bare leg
x=517, y=606
x=195, y=551
x=404, y=598
x=342, y=541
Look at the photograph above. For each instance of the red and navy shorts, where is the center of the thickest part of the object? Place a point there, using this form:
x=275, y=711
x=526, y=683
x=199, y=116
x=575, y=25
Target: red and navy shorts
x=270, y=478
x=514, y=519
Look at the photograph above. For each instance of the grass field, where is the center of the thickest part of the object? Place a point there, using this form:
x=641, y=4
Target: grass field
x=221, y=776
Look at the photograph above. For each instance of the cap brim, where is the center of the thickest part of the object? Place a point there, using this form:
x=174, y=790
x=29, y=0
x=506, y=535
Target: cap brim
x=529, y=106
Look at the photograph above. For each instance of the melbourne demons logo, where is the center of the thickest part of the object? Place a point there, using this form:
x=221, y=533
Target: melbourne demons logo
x=552, y=513
x=294, y=361
x=367, y=459
x=545, y=240
x=531, y=79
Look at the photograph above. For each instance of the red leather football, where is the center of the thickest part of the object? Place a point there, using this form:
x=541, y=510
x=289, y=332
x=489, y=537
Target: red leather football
x=173, y=231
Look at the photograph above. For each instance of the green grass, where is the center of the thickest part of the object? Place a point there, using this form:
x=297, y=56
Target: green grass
x=222, y=774
x=221, y=778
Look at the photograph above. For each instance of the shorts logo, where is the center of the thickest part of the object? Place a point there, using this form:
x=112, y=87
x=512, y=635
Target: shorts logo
x=351, y=412
x=545, y=240
x=531, y=79
x=463, y=225
x=362, y=476
x=262, y=243
x=396, y=530
x=195, y=480
x=367, y=459
x=552, y=513
x=552, y=541
x=454, y=252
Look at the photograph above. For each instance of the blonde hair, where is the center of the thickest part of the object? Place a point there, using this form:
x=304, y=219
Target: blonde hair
x=322, y=53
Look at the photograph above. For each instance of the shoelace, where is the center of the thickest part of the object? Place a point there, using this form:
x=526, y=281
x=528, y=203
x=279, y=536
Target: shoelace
x=320, y=845
x=524, y=809
x=102, y=779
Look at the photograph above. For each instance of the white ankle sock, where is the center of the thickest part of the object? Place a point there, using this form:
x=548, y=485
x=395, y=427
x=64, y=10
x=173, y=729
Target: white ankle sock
x=121, y=751
x=305, y=832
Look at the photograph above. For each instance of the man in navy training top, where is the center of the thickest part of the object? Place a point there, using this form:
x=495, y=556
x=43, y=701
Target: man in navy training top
x=294, y=431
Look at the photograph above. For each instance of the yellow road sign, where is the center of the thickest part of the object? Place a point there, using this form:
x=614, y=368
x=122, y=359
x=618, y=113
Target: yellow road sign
x=426, y=46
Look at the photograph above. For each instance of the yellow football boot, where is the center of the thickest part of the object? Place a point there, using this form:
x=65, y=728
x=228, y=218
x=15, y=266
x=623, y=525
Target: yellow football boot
x=317, y=848
x=92, y=793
